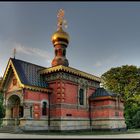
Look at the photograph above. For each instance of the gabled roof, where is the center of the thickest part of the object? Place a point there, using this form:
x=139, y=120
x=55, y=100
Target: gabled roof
x=70, y=70
x=26, y=74
x=100, y=92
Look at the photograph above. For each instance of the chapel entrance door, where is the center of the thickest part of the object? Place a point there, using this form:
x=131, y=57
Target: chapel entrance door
x=16, y=110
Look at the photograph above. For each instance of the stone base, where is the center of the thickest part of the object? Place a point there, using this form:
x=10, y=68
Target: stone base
x=33, y=124
x=110, y=130
x=69, y=124
x=108, y=124
x=73, y=124
x=10, y=122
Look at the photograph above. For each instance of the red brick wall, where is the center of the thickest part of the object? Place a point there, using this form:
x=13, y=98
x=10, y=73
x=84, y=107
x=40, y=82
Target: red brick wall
x=106, y=109
x=65, y=112
x=66, y=92
x=37, y=110
x=54, y=85
x=71, y=92
x=75, y=113
x=90, y=91
x=35, y=95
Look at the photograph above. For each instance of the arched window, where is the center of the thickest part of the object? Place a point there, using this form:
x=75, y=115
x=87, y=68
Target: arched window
x=31, y=111
x=44, y=108
x=81, y=97
x=21, y=111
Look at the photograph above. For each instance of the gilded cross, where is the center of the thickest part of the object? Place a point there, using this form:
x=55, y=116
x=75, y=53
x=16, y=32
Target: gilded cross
x=61, y=20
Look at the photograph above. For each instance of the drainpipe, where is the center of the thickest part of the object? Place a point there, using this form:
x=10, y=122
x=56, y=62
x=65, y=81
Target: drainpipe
x=49, y=111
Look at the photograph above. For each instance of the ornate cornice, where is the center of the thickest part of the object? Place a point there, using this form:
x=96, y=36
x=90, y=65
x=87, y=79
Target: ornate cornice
x=37, y=88
x=72, y=78
x=71, y=71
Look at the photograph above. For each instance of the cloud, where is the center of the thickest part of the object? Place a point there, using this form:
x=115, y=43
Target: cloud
x=32, y=51
x=106, y=61
x=98, y=64
x=7, y=47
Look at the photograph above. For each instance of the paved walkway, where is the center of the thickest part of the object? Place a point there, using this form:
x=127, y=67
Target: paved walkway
x=34, y=136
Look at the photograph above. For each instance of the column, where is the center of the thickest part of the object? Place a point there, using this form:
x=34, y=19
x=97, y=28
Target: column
x=26, y=109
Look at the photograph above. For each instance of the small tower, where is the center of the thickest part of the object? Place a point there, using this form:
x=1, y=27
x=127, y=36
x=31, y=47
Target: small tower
x=60, y=40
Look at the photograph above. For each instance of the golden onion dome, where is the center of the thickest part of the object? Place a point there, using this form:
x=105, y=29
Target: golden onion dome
x=60, y=36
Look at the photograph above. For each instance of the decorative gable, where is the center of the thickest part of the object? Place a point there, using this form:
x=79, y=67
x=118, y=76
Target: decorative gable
x=13, y=84
x=26, y=74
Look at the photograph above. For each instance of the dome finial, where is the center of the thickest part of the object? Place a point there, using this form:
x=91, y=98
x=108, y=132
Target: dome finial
x=61, y=20
x=60, y=40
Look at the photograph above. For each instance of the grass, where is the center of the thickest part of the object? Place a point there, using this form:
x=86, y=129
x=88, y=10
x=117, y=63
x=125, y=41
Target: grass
x=130, y=131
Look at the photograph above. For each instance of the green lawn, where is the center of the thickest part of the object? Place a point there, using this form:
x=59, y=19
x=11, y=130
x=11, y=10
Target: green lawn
x=130, y=131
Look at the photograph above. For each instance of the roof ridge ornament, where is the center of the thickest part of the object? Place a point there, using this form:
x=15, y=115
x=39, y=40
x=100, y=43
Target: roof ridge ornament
x=61, y=21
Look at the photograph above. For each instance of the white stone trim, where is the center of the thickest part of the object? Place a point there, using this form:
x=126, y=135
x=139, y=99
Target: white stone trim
x=31, y=101
x=45, y=101
x=70, y=118
x=19, y=94
x=84, y=88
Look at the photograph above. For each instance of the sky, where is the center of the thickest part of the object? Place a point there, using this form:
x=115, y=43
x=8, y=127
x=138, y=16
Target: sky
x=102, y=34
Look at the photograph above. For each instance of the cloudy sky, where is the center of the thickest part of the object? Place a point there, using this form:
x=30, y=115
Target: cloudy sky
x=102, y=34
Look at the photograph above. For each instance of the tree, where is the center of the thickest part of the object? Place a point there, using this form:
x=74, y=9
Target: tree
x=1, y=106
x=125, y=81
x=2, y=110
x=136, y=119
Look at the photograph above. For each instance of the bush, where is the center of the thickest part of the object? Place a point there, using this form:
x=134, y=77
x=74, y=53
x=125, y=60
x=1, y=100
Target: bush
x=2, y=110
x=136, y=120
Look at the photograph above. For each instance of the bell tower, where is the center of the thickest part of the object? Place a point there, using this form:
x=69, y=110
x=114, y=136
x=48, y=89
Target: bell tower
x=60, y=40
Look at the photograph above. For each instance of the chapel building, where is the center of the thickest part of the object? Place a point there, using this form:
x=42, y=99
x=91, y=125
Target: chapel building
x=59, y=97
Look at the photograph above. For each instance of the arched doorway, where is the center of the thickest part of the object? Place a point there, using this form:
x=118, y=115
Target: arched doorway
x=16, y=110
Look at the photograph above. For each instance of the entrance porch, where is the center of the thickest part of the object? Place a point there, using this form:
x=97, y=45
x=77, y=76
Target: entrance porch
x=14, y=111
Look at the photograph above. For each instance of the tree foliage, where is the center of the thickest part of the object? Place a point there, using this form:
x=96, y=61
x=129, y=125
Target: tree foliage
x=136, y=119
x=2, y=111
x=125, y=81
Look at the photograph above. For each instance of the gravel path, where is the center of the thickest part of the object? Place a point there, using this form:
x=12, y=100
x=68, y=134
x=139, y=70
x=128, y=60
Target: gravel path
x=34, y=136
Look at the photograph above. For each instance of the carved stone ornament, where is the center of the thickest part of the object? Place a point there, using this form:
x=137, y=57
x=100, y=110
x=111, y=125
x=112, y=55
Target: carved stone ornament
x=66, y=76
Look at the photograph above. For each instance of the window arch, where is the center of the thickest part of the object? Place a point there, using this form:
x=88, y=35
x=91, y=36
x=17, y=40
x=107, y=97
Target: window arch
x=44, y=108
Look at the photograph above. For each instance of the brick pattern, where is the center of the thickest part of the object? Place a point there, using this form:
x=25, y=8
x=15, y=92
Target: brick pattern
x=35, y=95
x=36, y=112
